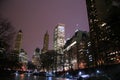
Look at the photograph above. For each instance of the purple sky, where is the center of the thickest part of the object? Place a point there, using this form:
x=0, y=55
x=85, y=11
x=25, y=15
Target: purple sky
x=35, y=17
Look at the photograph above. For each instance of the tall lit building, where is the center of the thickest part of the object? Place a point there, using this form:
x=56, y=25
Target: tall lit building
x=104, y=34
x=18, y=42
x=58, y=44
x=59, y=37
x=46, y=42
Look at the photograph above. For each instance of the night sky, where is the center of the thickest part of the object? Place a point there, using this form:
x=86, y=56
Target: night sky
x=35, y=17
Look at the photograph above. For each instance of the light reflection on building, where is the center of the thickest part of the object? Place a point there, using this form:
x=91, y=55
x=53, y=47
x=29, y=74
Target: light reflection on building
x=76, y=51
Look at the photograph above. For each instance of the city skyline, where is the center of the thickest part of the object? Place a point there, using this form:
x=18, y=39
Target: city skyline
x=59, y=39
x=34, y=18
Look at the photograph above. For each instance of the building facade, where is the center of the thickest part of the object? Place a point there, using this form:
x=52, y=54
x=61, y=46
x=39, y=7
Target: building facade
x=23, y=59
x=76, y=52
x=59, y=37
x=58, y=44
x=36, y=58
x=104, y=36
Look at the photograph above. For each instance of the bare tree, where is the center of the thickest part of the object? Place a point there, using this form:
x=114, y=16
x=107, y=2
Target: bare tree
x=7, y=32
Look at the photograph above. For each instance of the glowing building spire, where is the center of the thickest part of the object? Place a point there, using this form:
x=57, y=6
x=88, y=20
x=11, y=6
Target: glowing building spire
x=46, y=42
x=18, y=42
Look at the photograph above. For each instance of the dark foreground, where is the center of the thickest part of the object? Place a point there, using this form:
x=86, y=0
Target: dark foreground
x=111, y=72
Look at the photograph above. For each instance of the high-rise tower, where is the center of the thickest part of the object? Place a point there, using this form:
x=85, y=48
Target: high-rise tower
x=46, y=42
x=59, y=37
x=18, y=42
x=104, y=37
x=58, y=44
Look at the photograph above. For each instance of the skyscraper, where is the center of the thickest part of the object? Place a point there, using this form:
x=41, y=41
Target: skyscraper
x=58, y=44
x=46, y=42
x=59, y=37
x=104, y=36
x=18, y=42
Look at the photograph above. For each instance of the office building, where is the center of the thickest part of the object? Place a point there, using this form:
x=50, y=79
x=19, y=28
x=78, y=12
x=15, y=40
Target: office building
x=104, y=23
x=23, y=59
x=59, y=37
x=76, y=51
x=36, y=58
